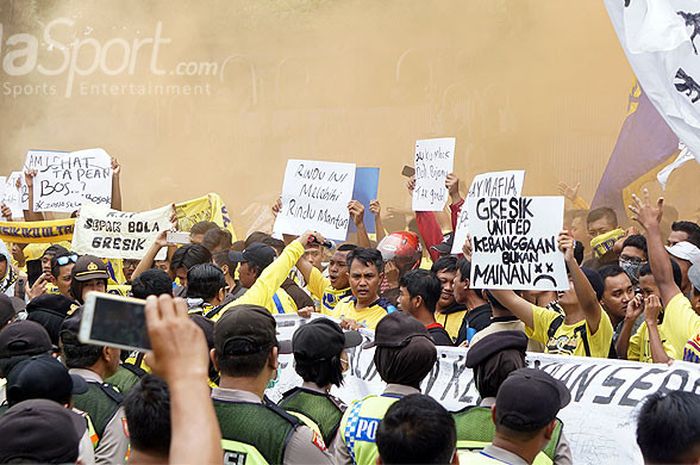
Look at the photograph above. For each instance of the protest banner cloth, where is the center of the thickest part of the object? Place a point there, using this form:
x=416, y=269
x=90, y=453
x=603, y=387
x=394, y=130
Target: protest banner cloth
x=64, y=180
x=514, y=243
x=209, y=207
x=660, y=40
x=433, y=161
x=28, y=232
x=605, y=394
x=493, y=184
x=16, y=198
x=108, y=233
x=315, y=195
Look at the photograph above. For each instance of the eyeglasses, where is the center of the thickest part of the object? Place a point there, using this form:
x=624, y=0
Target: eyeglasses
x=66, y=259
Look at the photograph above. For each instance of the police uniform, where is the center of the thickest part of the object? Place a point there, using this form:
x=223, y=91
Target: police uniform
x=257, y=433
x=103, y=403
x=356, y=441
x=492, y=455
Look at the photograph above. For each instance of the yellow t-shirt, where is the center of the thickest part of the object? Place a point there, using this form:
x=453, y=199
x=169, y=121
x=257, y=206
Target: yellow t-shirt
x=451, y=322
x=321, y=289
x=568, y=339
x=639, y=348
x=681, y=323
x=366, y=317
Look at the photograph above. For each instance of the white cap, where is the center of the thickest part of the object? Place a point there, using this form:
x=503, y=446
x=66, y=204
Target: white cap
x=694, y=276
x=685, y=251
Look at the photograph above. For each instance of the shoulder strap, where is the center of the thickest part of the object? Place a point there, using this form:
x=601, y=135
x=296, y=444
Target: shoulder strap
x=584, y=337
x=278, y=303
x=136, y=370
x=112, y=393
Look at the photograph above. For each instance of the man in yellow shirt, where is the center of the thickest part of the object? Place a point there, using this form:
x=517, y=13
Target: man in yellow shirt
x=329, y=291
x=364, y=309
x=681, y=323
x=583, y=329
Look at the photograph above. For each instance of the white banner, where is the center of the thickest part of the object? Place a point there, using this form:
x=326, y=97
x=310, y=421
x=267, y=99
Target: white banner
x=108, y=233
x=493, y=184
x=661, y=41
x=514, y=243
x=315, y=195
x=65, y=180
x=434, y=160
x=16, y=197
x=605, y=394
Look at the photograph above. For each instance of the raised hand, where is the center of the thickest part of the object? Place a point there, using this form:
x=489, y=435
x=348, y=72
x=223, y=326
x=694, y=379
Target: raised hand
x=567, y=191
x=644, y=212
x=357, y=212
x=566, y=245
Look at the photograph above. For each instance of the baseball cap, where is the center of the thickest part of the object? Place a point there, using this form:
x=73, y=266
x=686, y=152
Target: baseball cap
x=40, y=431
x=445, y=247
x=494, y=343
x=245, y=330
x=396, y=330
x=685, y=251
x=529, y=399
x=257, y=253
x=24, y=338
x=42, y=377
x=322, y=339
x=89, y=267
x=694, y=276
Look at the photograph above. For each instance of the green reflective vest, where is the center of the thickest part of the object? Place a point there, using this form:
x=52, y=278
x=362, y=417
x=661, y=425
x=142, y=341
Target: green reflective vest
x=475, y=430
x=101, y=402
x=320, y=412
x=253, y=434
x=359, y=426
x=126, y=377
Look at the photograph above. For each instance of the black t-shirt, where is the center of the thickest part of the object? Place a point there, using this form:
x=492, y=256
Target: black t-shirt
x=439, y=335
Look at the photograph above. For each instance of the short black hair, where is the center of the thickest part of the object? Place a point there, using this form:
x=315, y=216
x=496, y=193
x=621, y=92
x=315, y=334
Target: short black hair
x=276, y=244
x=217, y=238
x=188, y=256
x=464, y=267
x=417, y=430
x=321, y=372
x=55, y=249
x=445, y=263
x=202, y=227
x=255, y=236
x=366, y=256
x=242, y=365
x=645, y=270
x=637, y=241
x=55, y=267
x=668, y=426
x=223, y=258
x=690, y=228
x=204, y=281
x=147, y=409
x=610, y=271
x=600, y=213
x=346, y=247
x=151, y=282
x=422, y=283
x=75, y=353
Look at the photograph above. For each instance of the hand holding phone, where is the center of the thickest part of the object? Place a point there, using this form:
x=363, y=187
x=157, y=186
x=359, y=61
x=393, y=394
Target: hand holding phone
x=177, y=237
x=115, y=321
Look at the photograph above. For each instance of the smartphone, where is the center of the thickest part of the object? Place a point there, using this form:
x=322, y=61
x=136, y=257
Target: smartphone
x=115, y=321
x=177, y=237
x=408, y=171
x=34, y=271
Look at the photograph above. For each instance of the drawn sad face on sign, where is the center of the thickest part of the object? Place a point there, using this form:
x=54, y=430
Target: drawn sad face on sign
x=544, y=272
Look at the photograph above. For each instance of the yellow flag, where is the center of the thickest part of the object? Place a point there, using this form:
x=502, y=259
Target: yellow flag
x=207, y=208
x=28, y=232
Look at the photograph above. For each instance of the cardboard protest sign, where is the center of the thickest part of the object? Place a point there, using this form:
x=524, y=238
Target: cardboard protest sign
x=365, y=190
x=108, y=233
x=16, y=197
x=514, y=243
x=493, y=184
x=315, y=195
x=433, y=161
x=65, y=180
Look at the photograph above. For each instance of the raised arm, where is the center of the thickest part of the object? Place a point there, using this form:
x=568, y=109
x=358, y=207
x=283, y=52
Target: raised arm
x=649, y=216
x=376, y=208
x=516, y=304
x=357, y=213
x=587, y=299
x=116, y=186
x=652, y=308
x=634, y=309
x=30, y=214
x=149, y=257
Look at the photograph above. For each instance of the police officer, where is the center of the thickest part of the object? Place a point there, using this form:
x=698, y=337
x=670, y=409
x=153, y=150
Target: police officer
x=404, y=355
x=525, y=416
x=493, y=359
x=255, y=431
x=102, y=401
x=320, y=359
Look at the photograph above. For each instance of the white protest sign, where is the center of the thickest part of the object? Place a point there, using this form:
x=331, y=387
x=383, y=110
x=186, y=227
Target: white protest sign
x=108, y=233
x=514, y=243
x=434, y=160
x=599, y=422
x=16, y=197
x=493, y=184
x=65, y=180
x=315, y=195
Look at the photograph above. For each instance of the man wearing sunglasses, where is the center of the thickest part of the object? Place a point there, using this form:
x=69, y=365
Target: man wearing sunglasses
x=61, y=268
